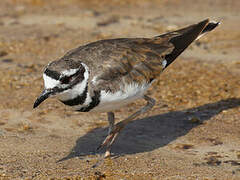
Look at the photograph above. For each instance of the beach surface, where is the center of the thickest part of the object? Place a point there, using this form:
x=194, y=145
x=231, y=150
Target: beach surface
x=193, y=132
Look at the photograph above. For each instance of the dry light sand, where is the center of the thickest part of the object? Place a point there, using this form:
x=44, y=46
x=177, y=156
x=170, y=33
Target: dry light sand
x=193, y=132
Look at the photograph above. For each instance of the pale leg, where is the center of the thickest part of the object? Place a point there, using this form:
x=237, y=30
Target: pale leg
x=111, y=121
x=119, y=126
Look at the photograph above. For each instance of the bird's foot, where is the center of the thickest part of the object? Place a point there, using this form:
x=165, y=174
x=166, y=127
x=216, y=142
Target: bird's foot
x=107, y=154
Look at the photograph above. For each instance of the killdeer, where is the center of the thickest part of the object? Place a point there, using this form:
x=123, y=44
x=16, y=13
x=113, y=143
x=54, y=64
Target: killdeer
x=105, y=75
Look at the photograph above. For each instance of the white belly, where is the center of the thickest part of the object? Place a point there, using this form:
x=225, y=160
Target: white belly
x=112, y=101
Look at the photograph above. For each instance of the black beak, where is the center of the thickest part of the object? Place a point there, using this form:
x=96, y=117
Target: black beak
x=44, y=95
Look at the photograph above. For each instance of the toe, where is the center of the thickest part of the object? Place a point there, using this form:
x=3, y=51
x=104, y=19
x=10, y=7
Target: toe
x=107, y=154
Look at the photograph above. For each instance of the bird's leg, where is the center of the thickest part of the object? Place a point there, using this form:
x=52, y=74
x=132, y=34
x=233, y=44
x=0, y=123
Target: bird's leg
x=111, y=120
x=119, y=126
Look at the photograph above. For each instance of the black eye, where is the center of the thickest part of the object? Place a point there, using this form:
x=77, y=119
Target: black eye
x=65, y=80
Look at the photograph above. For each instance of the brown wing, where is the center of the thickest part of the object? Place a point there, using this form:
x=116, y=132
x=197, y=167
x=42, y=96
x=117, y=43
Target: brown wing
x=115, y=61
x=134, y=60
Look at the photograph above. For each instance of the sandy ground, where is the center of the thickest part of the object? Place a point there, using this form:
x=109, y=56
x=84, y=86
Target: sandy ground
x=193, y=132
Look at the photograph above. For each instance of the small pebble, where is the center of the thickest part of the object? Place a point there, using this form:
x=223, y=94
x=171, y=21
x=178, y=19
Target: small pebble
x=3, y=53
x=195, y=120
x=7, y=60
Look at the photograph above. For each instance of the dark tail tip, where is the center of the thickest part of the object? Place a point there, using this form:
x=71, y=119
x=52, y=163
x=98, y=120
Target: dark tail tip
x=184, y=38
x=211, y=25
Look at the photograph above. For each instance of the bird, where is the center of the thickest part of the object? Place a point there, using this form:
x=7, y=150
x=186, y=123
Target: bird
x=105, y=75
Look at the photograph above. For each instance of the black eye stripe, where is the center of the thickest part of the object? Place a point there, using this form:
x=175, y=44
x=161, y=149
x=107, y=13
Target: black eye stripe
x=53, y=74
x=66, y=79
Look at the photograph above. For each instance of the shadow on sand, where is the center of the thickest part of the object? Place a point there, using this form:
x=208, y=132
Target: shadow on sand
x=152, y=132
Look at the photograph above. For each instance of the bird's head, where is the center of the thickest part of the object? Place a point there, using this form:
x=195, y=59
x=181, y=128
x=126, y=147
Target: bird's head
x=60, y=78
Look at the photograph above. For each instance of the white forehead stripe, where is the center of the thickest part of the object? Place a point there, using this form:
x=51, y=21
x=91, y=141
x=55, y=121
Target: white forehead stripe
x=69, y=72
x=49, y=82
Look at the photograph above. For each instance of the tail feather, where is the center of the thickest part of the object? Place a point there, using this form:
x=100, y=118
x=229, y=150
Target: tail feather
x=182, y=38
x=211, y=25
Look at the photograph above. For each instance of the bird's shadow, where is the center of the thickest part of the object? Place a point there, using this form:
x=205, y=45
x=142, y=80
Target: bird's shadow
x=147, y=134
